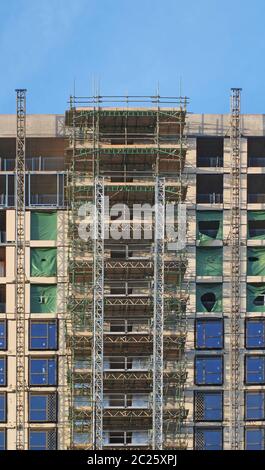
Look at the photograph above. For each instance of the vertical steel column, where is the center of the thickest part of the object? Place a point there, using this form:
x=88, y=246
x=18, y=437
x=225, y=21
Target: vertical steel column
x=98, y=313
x=158, y=359
x=235, y=270
x=20, y=268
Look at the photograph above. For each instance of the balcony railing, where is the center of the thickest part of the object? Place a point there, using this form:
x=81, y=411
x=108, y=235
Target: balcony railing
x=127, y=326
x=7, y=200
x=132, y=401
x=256, y=198
x=2, y=307
x=126, y=438
x=2, y=236
x=125, y=289
x=215, y=162
x=132, y=363
x=210, y=198
x=256, y=161
x=34, y=164
x=46, y=200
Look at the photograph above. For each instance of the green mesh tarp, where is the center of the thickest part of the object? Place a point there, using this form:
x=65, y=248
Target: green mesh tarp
x=209, y=261
x=43, y=225
x=209, y=297
x=43, y=298
x=255, y=298
x=256, y=261
x=215, y=231
x=256, y=216
x=43, y=262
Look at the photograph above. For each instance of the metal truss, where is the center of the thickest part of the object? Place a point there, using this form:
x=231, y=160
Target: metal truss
x=158, y=356
x=98, y=337
x=20, y=269
x=235, y=268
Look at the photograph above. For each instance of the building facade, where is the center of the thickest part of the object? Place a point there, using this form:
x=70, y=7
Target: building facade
x=134, y=341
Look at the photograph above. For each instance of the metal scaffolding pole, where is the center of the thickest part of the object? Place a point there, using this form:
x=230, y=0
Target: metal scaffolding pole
x=158, y=365
x=98, y=322
x=20, y=268
x=235, y=269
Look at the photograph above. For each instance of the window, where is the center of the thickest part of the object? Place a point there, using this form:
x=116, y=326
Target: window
x=3, y=372
x=42, y=407
x=208, y=406
x=42, y=439
x=2, y=407
x=208, y=439
x=209, y=370
x=254, y=439
x=255, y=370
x=2, y=439
x=209, y=334
x=42, y=371
x=255, y=406
x=255, y=334
x=43, y=335
x=3, y=342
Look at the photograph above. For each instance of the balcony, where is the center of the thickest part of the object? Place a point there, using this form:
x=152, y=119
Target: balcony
x=256, y=152
x=45, y=190
x=256, y=161
x=127, y=363
x=2, y=226
x=40, y=190
x=126, y=438
x=127, y=401
x=210, y=152
x=209, y=189
x=210, y=198
x=124, y=326
x=2, y=298
x=256, y=189
x=212, y=162
x=128, y=288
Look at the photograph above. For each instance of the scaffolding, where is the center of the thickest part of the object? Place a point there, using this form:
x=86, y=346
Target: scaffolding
x=126, y=320
x=20, y=269
x=235, y=269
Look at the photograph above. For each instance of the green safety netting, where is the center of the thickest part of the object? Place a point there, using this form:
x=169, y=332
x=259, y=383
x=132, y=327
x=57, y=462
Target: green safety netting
x=215, y=227
x=256, y=261
x=209, y=261
x=43, y=226
x=256, y=216
x=43, y=262
x=209, y=297
x=256, y=298
x=43, y=298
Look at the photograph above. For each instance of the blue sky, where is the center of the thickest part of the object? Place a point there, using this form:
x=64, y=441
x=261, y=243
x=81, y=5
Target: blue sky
x=128, y=46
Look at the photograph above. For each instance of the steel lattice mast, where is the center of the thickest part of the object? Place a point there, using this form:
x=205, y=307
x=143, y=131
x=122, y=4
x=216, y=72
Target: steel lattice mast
x=235, y=268
x=20, y=268
x=158, y=328
x=98, y=336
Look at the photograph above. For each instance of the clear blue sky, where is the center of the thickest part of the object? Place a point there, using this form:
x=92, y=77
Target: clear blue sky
x=129, y=46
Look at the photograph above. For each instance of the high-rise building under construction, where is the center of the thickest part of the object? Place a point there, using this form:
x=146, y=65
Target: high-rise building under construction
x=132, y=276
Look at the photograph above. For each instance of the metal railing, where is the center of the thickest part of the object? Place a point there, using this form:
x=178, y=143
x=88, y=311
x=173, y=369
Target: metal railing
x=256, y=161
x=216, y=162
x=258, y=198
x=133, y=363
x=132, y=401
x=126, y=438
x=210, y=198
